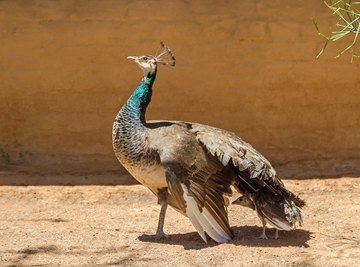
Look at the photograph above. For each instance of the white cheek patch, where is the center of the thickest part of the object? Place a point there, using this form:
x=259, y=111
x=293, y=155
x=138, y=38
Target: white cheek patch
x=147, y=67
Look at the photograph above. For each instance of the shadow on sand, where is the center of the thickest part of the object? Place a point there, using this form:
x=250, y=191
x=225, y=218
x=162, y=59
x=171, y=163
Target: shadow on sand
x=244, y=236
x=24, y=257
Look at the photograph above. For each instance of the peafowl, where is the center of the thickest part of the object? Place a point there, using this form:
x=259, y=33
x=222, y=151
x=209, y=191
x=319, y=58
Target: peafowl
x=265, y=205
x=194, y=168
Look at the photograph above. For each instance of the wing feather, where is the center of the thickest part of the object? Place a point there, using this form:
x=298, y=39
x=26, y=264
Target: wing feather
x=200, y=198
x=232, y=150
x=201, y=164
x=204, y=219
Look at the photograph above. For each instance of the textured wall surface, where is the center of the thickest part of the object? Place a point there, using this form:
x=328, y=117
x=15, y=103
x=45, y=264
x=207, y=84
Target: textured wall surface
x=246, y=66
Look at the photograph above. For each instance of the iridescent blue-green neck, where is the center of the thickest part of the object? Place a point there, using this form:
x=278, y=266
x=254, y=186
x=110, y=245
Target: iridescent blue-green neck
x=136, y=105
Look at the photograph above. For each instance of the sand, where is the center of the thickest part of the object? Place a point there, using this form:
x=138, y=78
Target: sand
x=115, y=226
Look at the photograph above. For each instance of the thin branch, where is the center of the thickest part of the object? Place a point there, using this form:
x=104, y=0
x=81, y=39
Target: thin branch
x=348, y=23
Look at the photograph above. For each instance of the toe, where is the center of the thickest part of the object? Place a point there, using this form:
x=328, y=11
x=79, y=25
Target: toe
x=161, y=236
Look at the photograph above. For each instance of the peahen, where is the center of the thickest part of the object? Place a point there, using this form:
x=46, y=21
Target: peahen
x=193, y=167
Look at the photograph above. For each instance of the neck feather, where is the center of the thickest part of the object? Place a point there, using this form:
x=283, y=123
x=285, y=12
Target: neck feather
x=136, y=105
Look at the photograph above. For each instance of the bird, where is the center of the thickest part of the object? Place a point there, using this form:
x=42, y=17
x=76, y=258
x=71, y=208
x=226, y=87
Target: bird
x=261, y=203
x=192, y=167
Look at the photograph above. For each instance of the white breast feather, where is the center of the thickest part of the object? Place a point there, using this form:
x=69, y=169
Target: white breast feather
x=152, y=177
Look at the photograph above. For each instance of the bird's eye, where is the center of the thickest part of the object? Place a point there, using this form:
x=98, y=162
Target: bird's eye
x=145, y=58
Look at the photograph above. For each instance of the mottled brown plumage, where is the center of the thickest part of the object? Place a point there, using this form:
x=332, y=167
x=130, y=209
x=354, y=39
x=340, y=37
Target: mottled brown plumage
x=192, y=167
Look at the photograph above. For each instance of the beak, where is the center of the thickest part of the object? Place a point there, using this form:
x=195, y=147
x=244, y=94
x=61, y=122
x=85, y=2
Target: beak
x=133, y=58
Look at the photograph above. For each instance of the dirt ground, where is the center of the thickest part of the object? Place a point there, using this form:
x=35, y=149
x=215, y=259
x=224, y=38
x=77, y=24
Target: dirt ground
x=114, y=226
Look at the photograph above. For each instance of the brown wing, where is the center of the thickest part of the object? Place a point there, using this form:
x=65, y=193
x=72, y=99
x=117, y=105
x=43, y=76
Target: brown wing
x=230, y=149
x=196, y=180
x=254, y=171
x=200, y=196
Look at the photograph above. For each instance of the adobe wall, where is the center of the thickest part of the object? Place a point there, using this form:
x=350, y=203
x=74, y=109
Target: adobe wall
x=245, y=66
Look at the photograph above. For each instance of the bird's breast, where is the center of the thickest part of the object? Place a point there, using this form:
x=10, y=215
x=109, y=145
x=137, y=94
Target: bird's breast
x=133, y=152
x=152, y=177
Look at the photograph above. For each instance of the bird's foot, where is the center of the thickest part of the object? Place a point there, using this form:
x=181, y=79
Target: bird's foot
x=161, y=236
x=263, y=236
x=152, y=238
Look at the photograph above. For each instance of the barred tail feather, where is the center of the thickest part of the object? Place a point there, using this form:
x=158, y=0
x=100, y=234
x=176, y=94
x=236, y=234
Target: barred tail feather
x=295, y=211
x=298, y=201
x=292, y=198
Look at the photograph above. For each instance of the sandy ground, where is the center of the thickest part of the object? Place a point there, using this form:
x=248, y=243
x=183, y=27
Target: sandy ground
x=114, y=225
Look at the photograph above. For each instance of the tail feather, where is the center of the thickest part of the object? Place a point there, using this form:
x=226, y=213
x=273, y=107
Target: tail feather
x=293, y=214
x=277, y=210
x=292, y=198
x=273, y=202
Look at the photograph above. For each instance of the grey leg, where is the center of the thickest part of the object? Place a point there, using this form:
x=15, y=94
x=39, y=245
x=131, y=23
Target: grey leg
x=263, y=235
x=160, y=230
x=162, y=194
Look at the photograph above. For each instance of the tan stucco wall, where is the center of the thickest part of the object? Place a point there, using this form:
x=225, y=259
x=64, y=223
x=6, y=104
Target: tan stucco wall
x=246, y=66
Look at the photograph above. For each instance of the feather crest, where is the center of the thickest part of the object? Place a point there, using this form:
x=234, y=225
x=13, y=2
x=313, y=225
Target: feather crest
x=165, y=56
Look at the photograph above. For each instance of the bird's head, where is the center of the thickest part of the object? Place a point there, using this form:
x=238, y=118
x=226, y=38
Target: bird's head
x=148, y=64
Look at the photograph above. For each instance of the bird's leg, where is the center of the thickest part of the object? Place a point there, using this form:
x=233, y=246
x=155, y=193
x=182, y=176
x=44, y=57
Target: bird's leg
x=276, y=236
x=163, y=202
x=160, y=229
x=263, y=235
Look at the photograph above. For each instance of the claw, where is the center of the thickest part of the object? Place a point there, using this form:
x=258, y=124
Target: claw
x=161, y=236
x=263, y=236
